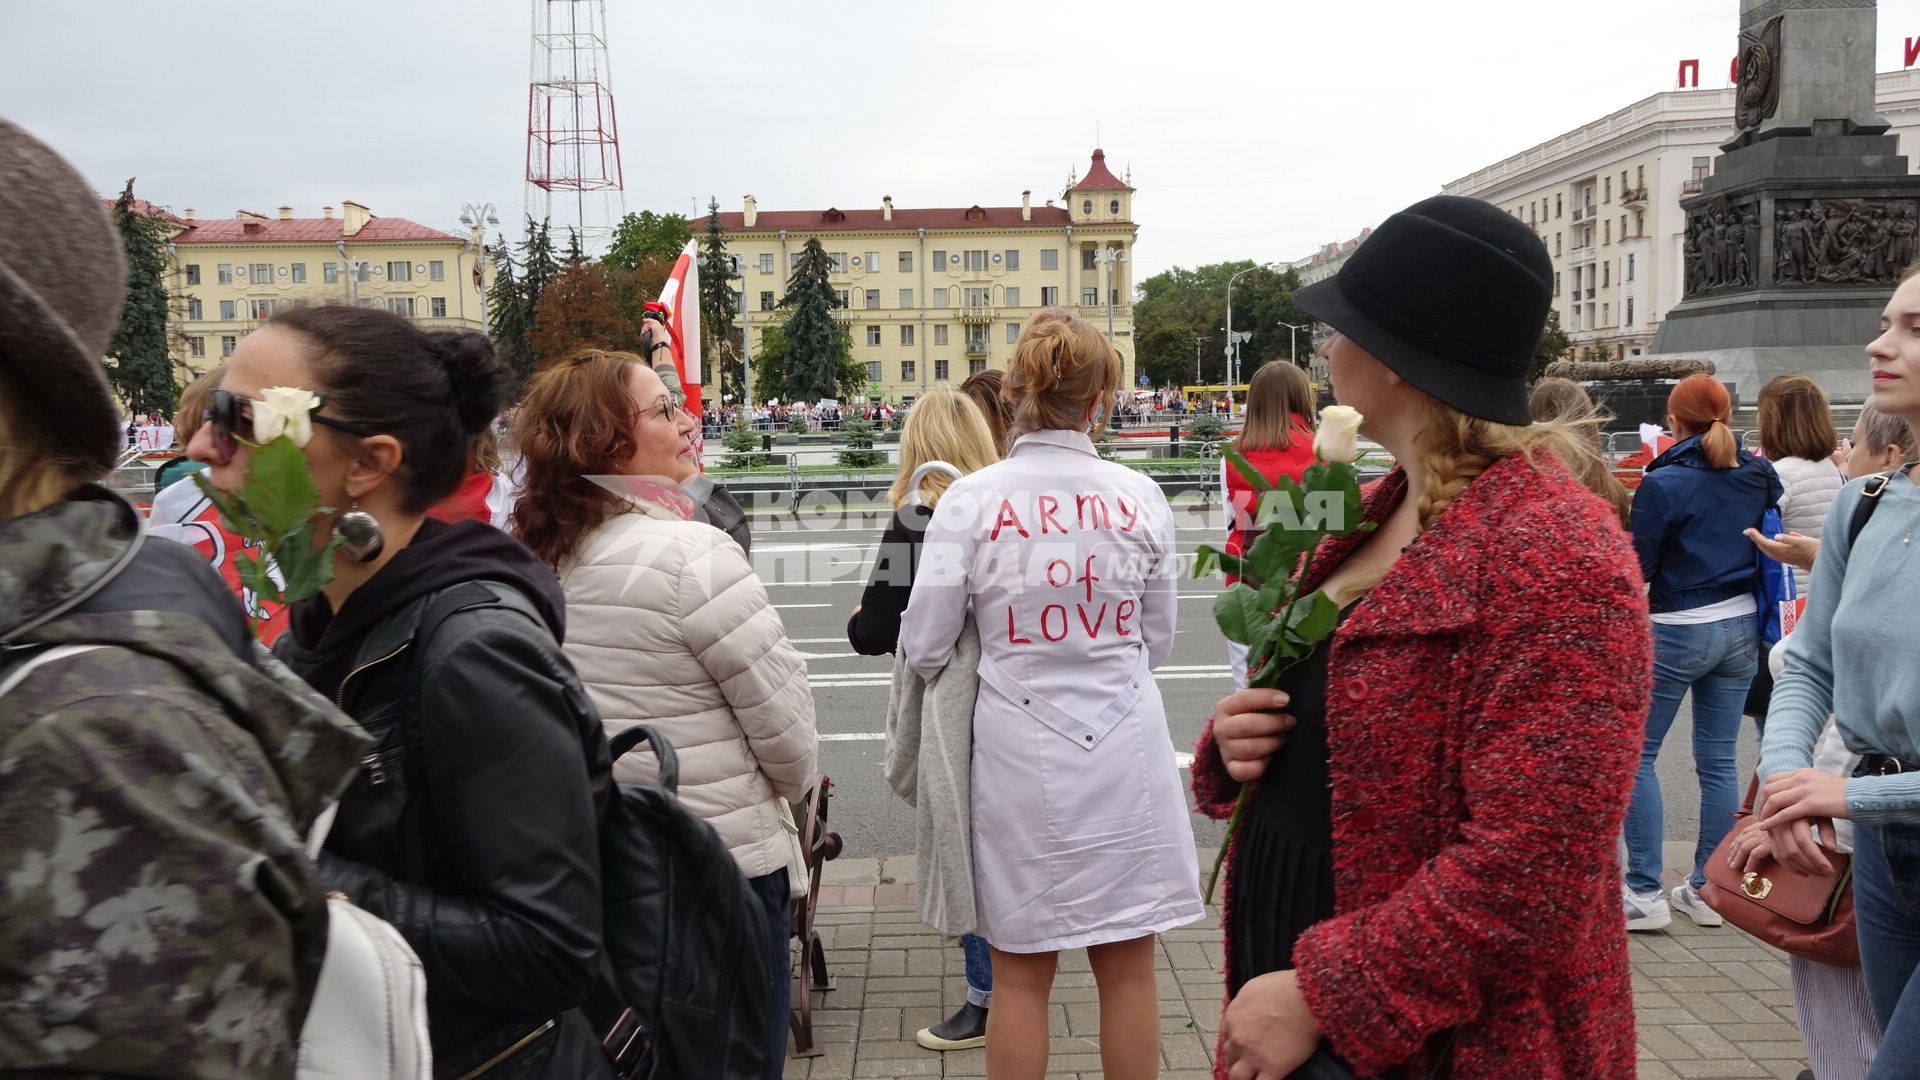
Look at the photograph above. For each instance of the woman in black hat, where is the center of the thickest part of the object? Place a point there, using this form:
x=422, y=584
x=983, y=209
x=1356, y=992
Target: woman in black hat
x=1426, y=879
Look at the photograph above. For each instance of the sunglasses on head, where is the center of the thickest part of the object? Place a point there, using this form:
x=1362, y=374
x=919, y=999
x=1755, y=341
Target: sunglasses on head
x=229, y=414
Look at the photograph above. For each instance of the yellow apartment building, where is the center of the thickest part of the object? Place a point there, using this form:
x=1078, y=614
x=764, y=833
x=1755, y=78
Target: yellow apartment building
x=932, y=296
x=232, y=274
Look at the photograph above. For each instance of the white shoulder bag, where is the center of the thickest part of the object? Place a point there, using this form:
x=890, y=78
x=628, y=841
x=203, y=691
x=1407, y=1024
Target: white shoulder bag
x=369, y=1014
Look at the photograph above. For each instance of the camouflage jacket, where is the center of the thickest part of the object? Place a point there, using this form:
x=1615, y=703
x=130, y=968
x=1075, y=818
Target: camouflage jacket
x=158, y=914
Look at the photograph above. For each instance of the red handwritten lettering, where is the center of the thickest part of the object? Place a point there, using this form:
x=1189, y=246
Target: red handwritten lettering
x=1013, y=636
x=1049, y=504
x=1093, y=630
x=1098, y=518
x=1064, y=566
x=1131, y=514
x=1007, y=517
x=1048, y=610
x=1087, y=578
x=1121, y=614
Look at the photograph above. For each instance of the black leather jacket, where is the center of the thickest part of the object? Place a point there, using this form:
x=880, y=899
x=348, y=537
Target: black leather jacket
x=474, y=829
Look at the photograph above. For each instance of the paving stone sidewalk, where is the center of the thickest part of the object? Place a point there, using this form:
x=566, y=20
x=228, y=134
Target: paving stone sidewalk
x=1710, y=1003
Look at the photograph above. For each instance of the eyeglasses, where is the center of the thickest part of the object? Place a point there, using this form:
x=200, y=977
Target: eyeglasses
x=229, y=413
x=668, y=406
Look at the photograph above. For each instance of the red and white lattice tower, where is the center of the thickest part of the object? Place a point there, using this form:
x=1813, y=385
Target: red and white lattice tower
x=574, y=179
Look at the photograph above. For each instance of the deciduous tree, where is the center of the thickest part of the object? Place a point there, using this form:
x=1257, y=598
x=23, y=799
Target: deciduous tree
x=1178, y=307
x=647, y=235
x=583, y=306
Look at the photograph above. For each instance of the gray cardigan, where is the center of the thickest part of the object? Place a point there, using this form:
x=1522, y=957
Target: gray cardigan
x=930, y=765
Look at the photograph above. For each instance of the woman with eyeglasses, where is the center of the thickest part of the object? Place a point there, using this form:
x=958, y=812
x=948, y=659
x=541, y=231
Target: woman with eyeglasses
x=473, y=824
x=669, y=625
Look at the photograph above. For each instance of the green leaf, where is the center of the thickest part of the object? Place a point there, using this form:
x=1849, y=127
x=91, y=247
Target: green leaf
x=1240, y=616
x=238, y=516
x=1312, y=619
x=1278, y=593
x=1207, y=558
x=279, y=490
x=305, y=569
x=1245, y=468
x=1272, y=557
x=1343, y=479
x=253, y=573
x=1259, y=653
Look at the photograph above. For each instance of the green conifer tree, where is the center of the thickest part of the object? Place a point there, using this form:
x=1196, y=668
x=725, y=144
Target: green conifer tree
x=721, y=338
x=537, y=264
x=818, y=350
x=510, y=321
x=137, y=361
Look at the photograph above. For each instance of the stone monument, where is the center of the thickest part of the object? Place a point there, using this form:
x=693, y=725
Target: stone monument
x=1793, y=245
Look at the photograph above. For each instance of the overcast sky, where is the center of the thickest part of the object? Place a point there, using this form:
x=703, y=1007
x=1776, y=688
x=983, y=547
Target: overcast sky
x=1253, y=129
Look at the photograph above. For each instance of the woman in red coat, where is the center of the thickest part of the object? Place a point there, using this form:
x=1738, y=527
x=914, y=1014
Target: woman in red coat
x=1278, y=441
x=1427, y=880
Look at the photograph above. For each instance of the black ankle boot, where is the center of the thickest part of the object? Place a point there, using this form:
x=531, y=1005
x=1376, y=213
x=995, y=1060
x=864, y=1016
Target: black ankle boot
x=965, y=1029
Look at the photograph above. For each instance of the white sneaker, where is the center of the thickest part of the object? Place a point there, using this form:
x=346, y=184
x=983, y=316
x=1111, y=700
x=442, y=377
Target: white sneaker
x=1687, y=900
x=1645, y=911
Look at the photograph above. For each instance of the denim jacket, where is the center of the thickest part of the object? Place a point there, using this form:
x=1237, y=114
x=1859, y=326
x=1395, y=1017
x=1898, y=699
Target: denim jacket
x=1688, y=520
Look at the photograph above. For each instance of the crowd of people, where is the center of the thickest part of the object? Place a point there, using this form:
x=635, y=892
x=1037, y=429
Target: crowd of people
x=1426, y=873
x=792, y=416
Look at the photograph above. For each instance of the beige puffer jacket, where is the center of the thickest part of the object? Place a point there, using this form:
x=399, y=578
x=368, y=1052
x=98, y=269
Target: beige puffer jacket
x=668, y=625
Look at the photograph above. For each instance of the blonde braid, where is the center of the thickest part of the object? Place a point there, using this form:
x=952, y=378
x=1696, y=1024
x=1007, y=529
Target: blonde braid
x=1454, y=458
x=1459, y=448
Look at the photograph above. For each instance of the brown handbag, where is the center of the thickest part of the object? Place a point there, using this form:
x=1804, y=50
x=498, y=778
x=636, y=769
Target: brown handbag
x=1808, y=915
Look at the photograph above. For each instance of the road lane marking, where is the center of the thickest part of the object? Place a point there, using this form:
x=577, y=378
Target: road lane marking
x=790, y=607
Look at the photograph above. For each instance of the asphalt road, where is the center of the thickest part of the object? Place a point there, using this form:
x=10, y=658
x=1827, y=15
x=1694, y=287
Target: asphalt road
x=815, y=566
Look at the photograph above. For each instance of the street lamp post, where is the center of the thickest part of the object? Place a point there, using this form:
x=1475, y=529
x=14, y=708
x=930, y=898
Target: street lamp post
x=739, y=270
x=1109, y=257
x=1233, y=351
x=475, y=217
x=1293, y=341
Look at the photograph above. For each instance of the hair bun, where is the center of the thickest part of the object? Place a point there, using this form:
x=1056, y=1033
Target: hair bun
x=476, y=375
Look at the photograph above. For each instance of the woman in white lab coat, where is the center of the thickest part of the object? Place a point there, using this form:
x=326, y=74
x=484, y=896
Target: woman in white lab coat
x=1080, y=831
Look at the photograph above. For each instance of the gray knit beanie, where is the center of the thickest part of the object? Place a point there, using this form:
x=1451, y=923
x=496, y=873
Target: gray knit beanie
x=62, y=281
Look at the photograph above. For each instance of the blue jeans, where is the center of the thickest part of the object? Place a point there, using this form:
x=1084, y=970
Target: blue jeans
x=1886, y=914
x=776, y=897
x=979, y=969
x=1716, y=661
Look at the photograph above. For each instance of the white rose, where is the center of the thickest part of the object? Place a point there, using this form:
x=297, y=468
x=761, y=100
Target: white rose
x=284, y=410
x=1337, y=438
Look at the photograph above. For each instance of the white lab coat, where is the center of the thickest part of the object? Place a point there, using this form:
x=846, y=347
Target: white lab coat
x=1080, y=826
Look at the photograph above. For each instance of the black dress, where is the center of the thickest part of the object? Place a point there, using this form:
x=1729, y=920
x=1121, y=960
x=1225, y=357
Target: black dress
x=1283, y=870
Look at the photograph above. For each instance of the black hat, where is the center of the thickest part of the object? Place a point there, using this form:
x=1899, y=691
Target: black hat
x=1452, y=294
x=62, y=281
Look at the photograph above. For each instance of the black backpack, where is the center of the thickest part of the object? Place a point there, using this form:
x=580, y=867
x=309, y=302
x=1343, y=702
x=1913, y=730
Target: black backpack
x=686, y=993
x=686, y=937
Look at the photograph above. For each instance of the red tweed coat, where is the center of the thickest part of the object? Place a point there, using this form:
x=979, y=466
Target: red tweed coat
x=1485, y=708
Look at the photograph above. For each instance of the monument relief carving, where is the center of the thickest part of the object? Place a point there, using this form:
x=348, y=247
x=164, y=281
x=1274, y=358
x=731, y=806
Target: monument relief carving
x=1843, y=241
x=1722, y=246
x=1759, y=93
